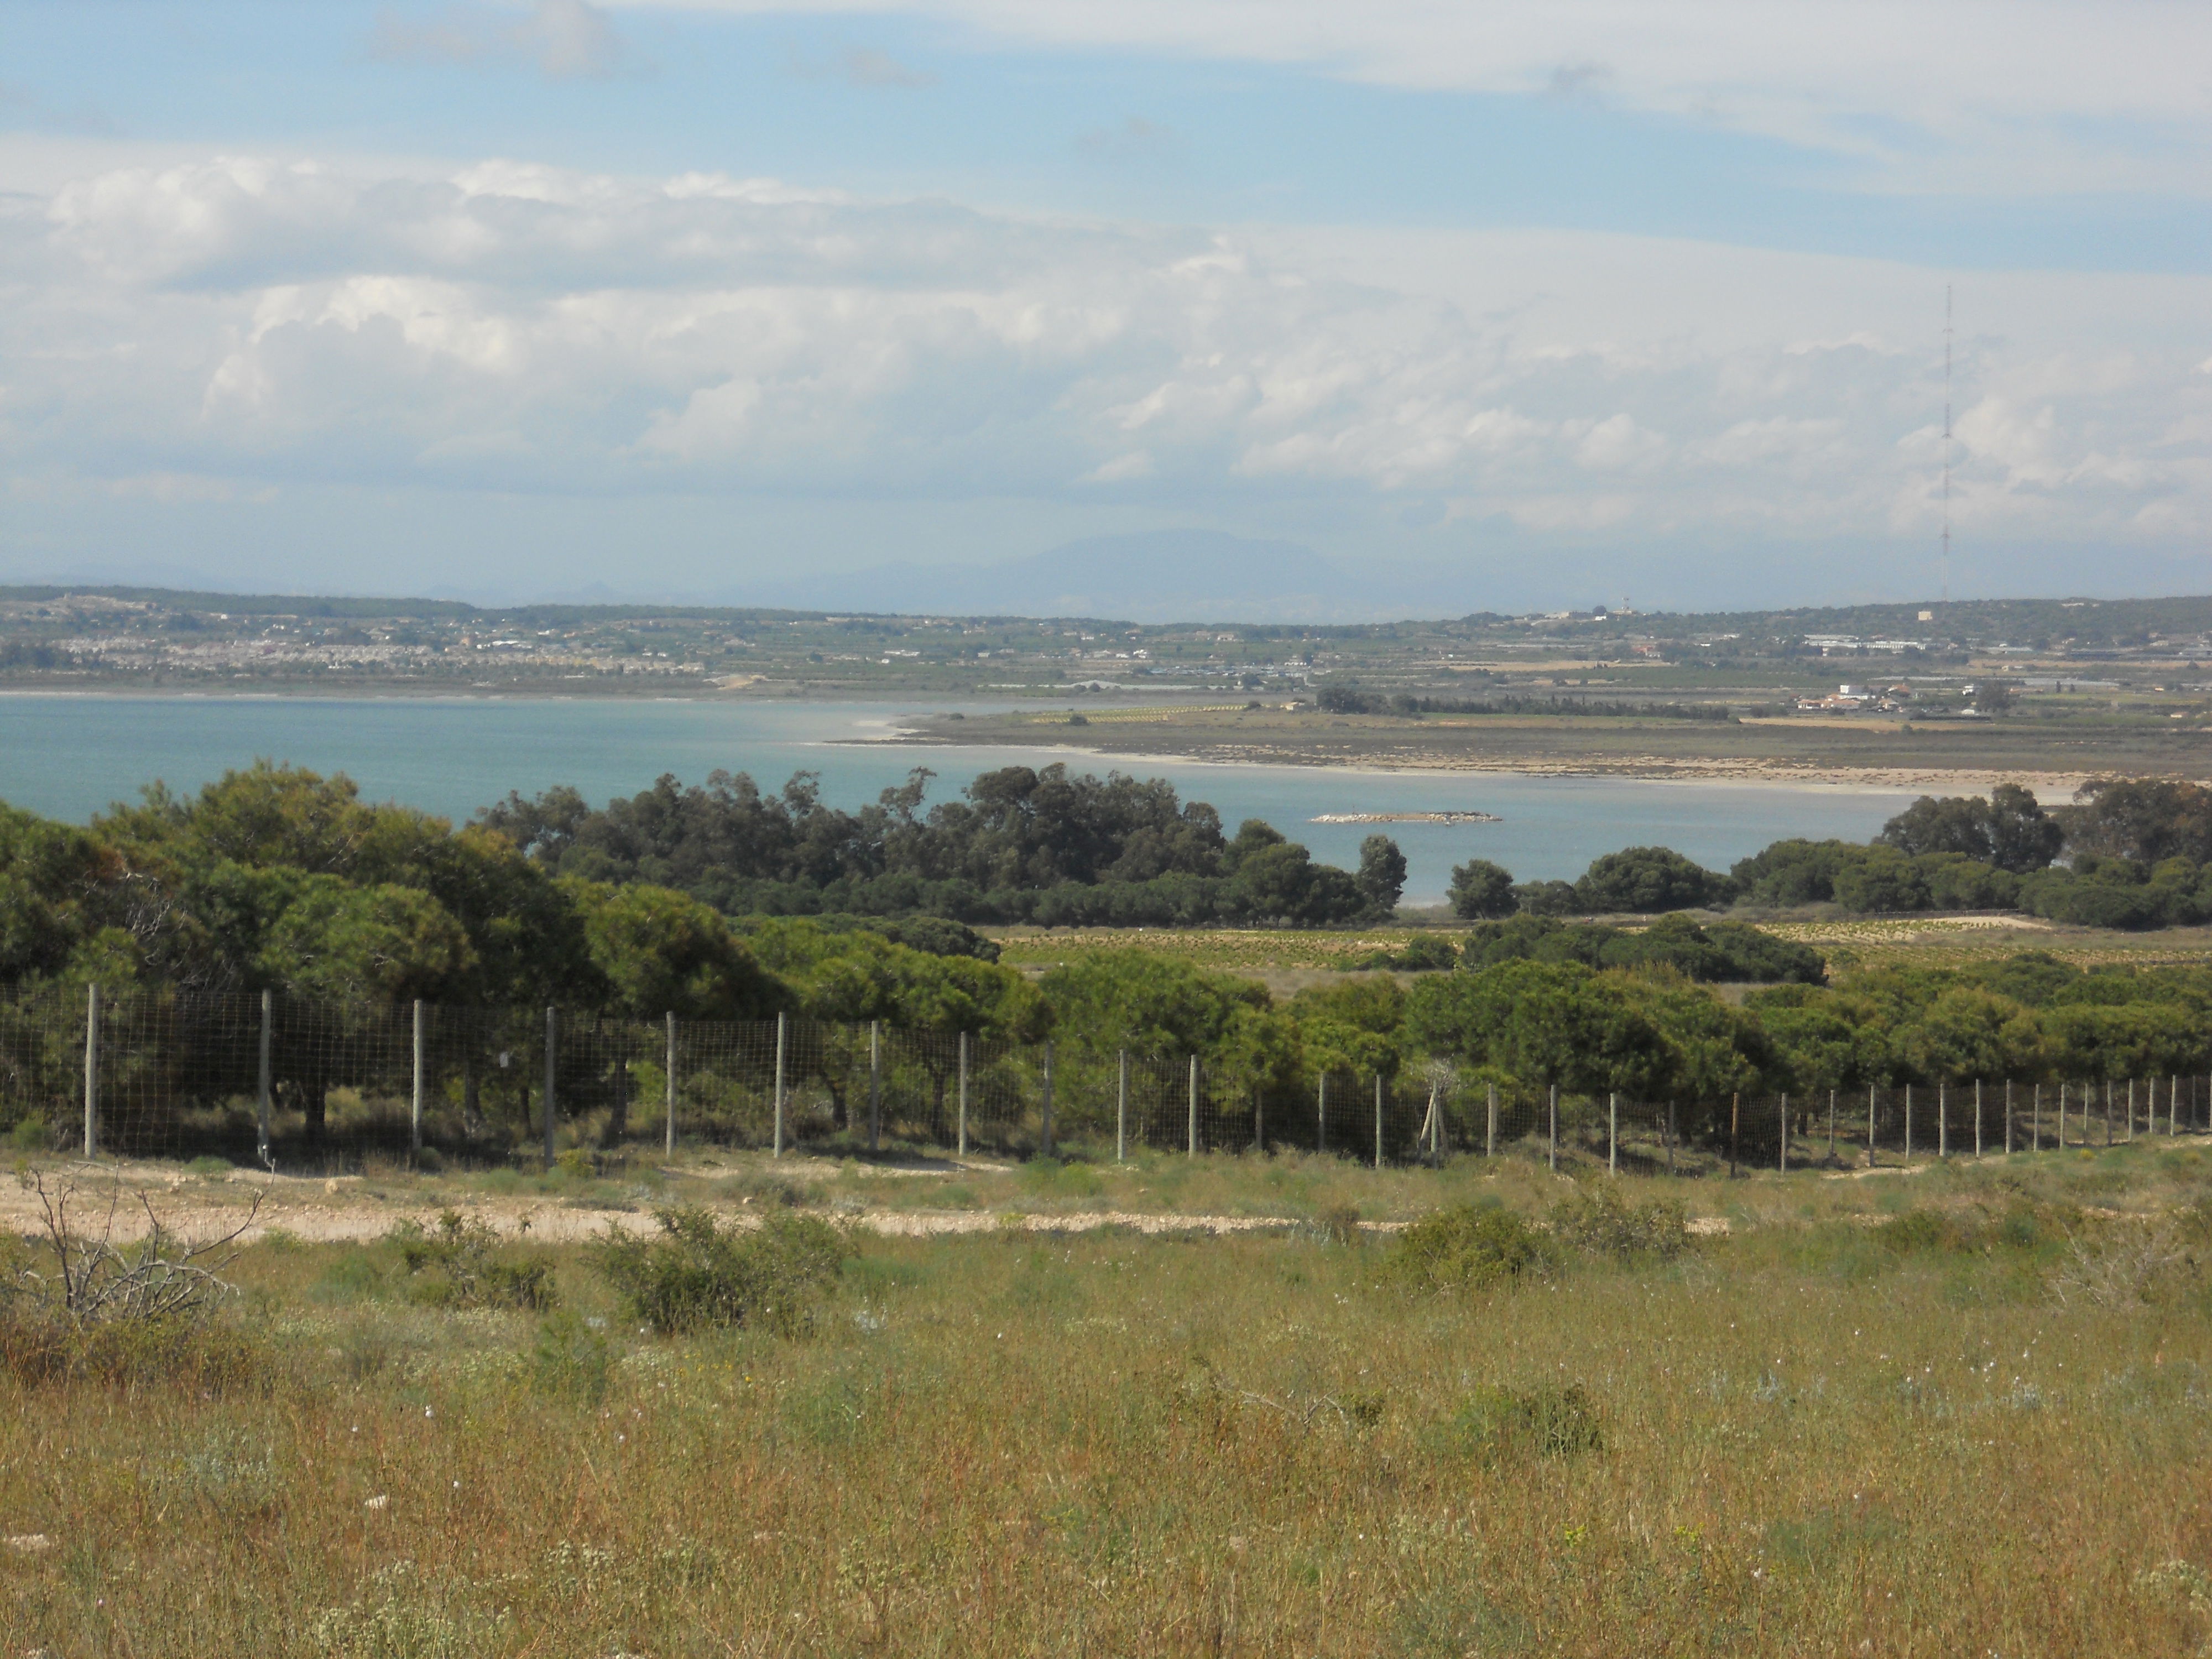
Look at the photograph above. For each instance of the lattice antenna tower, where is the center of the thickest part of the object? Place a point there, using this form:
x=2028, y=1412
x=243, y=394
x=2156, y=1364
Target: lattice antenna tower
x=1947, y=443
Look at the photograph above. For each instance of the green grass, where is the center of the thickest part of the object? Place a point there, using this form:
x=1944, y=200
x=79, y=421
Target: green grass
x=1863, y=1423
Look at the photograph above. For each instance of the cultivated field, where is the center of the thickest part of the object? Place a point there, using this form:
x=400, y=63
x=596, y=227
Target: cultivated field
x=1289, y=958
x=1963, y=1410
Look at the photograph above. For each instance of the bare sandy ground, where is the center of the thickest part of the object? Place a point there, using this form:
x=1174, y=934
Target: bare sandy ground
x=347, y=1209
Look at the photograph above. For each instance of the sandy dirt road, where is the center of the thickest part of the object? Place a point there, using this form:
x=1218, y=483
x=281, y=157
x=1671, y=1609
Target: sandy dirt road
x=350, y=1209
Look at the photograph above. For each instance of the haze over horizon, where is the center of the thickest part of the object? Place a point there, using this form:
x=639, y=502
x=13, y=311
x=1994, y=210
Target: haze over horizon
x=1312, y=313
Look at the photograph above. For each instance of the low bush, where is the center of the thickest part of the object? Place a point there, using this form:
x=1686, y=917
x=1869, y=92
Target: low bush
x=1599, y=1218
x=1467, y=1247
x=2020, y=1228
x=699, y=1273
x=461, y=1265
x=570, y=1358
x=1334, y=1223
x=1497, y=1425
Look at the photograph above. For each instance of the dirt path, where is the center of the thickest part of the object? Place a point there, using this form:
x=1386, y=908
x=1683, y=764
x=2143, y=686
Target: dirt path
x=340, y=1209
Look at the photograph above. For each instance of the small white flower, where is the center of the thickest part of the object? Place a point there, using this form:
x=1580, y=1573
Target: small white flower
x=380, y=1501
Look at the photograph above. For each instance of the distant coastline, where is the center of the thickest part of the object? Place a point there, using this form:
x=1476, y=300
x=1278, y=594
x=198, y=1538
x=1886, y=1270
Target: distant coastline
x=1405, y=818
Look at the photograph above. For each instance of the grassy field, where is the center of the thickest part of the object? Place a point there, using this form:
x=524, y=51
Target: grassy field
x=1288, y=958
x=1964, y=1410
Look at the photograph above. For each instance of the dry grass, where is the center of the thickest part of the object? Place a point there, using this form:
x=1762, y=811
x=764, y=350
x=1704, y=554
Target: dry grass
x=1813, y=1436
x=1847, y=941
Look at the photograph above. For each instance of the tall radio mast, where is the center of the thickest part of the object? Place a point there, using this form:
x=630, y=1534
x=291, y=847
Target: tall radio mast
x=1947, y=443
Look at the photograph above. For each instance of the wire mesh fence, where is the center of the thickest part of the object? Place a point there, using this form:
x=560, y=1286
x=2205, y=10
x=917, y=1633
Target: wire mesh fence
x=303, y=1085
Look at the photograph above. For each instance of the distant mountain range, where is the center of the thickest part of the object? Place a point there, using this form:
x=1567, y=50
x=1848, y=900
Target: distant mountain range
x=1153, y=576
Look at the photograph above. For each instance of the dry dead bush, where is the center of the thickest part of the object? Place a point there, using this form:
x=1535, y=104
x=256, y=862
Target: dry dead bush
x=80, y=1302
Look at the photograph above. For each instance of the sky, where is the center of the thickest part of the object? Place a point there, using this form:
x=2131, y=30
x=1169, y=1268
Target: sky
x=1510, y=305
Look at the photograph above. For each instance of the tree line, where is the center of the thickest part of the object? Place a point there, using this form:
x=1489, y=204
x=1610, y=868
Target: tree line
x=274, y=878
x=2137, y=852
x=1016, y=845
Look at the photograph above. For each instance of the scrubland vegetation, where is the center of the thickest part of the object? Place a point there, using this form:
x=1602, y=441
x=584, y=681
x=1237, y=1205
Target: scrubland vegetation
x=1962, y=1411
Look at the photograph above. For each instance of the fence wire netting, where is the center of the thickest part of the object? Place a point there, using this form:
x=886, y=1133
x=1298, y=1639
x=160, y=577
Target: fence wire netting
x=303, y=1085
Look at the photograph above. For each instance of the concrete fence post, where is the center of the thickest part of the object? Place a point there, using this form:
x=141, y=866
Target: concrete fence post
x=1553, y=1153
x=782, y=1037
x=962, y=1148
x=1832, y=1126
x=2131, y=1135
x=1870, y=1122
x=668, y=1090
x=1378, y=1120
x=265, y=1087
x=875, y=1085
x=1122, y=1111
x=1783, y=1166
x=1489, y=1138
x=1193, y=1106
x=91, y=1070
x=415, y=1108
x=2173, y=1095
x=1046, y=1111
x=2035, y=1120
x=1321, y=1114
x=1613, y=1134
x=1942, y=1118
x=1736, y=1131
x=552, y=1060
x=1672, y=1135
x=1908, y=1123
x=1259, y=1119
x=1977, y=1117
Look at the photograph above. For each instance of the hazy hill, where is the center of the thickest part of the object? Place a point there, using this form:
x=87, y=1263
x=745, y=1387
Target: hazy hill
x=1151, y=576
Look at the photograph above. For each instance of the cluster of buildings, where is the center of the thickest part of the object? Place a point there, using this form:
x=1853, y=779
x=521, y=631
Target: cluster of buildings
x=1859, y=699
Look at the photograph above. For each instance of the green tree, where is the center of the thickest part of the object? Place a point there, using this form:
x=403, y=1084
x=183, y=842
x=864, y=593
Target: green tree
x=1481, y=890
x=1644, y=880
x=1881, y=879
x=1151, y=1003
x=60, y=888
x=1967, y=1033
x=657, y=952
x=1543, y=1023
x=2007, y=830
x=1382, y=874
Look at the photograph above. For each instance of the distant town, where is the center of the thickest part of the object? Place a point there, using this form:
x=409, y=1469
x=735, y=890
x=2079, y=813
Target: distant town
x=1966, y=658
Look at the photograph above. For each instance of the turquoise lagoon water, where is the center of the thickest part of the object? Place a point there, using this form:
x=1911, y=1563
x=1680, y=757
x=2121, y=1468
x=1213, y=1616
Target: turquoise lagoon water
x=68, y=757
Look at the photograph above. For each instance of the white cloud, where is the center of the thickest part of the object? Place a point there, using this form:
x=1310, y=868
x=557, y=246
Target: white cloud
x=2022, y=95
x=521, y=329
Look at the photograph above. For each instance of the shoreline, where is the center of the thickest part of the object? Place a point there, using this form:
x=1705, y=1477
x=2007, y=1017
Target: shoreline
x=1748, y=774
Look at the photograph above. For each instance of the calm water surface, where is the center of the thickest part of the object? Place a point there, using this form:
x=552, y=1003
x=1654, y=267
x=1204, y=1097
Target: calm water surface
x=70, y=756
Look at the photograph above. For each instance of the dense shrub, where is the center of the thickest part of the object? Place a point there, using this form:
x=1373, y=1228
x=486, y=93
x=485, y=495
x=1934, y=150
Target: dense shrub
x=1721, y=952
x=699, y=1273
x=1600, y=1220
x=2099, y=892
x=1467, y=1246
x=461, y=1265
x=1423, y=953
